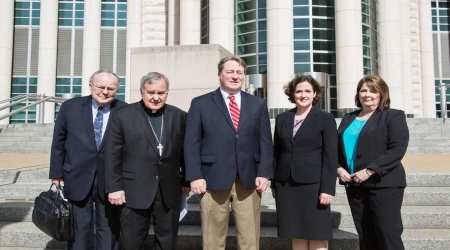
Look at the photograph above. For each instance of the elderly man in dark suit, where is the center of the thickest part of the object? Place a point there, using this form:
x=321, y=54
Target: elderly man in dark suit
x=77, y=161
x=144, y=165
x=228, y=155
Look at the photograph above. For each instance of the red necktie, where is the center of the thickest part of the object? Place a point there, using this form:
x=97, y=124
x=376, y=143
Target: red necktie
x=234, y=110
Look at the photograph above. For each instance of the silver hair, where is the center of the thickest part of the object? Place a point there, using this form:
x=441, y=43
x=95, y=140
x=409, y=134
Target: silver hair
x=106, y=71
x=151, y=77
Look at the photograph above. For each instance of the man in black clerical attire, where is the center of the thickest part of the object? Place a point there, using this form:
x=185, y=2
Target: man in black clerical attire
x=144, y=165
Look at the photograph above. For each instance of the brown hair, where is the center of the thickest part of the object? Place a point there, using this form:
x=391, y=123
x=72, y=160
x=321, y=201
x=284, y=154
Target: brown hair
x=231, y=58
x=289, y=90
x=376, y=84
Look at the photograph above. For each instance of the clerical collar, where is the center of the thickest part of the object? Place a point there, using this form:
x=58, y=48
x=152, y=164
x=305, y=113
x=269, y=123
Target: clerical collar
x=154, y=114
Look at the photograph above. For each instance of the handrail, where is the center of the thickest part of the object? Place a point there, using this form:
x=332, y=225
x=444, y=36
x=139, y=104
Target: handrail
x=14, y=103
x=13, y=98
x=31, y=100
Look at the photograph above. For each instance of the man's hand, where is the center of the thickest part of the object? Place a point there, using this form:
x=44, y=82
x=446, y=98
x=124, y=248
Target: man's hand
x=117, y=198
x=186, y=189
x=325, y=199
x=343, y=175
x=58, y=181
x=198, y=186
x=262, y=183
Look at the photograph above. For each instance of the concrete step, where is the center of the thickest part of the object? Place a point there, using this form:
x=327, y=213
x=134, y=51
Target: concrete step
x=414, y=217
x=40, y=175
x=29, y=248
x=418, y=196
x=29, y=147
x=26, y=235
x=414, y=196
x=27, y=131
x=427, y=136
x=428, y=149
x=24, y=139
x=27, y=127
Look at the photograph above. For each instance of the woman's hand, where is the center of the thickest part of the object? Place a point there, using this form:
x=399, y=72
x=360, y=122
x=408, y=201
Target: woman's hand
x=362, y=175
x=325, y=199
x=343, y=175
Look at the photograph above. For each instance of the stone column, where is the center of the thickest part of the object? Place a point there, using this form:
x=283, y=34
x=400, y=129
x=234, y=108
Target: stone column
x=154, y=22
x=48, y=38
x=173, y=22
x=190, y=17
x=134, y=37
x=221, y=23
x=389, y=14
x=427, y=63
x=280, y=52
x=6, y=50
x=91, y=41
x=349, y=54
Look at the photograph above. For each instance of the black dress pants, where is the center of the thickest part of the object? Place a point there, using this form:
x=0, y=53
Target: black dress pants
x=95, y=223
x=135, y=224
x=377, y=217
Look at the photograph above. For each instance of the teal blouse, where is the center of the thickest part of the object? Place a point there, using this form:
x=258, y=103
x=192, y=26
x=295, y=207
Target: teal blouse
x=350, y=139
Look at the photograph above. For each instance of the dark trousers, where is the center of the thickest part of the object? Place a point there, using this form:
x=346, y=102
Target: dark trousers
x=377, y=217
x=135, y=223
x=95, y=223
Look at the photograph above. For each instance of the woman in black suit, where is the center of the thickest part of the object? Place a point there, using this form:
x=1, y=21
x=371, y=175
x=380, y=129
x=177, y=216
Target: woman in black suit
x=372, y=142
x=305, y=167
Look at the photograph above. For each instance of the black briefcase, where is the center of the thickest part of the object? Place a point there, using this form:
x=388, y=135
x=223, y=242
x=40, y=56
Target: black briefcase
x=52, y=214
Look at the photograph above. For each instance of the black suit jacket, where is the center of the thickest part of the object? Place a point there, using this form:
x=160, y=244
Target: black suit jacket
x=216, y=152
x=74, y=155
x=381, y=146
x=133, y=163
x=311, y=155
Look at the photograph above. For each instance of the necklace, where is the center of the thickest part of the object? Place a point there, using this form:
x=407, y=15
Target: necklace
x=160, y=147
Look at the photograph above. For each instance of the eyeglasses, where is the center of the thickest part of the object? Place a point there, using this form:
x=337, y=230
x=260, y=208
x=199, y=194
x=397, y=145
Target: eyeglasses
x=103, y=88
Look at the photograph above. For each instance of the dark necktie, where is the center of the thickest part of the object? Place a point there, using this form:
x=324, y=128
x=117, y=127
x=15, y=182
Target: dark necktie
x=234, y=110
x=98, y=126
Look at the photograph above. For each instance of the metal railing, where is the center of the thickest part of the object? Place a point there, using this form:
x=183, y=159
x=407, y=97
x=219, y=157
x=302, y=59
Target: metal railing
x=29, y=100
x=442, y=88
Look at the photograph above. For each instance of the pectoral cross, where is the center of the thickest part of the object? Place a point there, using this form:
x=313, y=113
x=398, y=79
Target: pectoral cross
x=160, y=148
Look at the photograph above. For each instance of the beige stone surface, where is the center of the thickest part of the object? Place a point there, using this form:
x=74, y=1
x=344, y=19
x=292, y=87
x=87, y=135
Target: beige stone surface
x=426, y=163
x=23, y=160
x=191, y=69
x=412, y=163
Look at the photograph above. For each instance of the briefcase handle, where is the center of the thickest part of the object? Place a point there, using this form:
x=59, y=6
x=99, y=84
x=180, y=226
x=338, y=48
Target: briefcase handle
x=59, y=191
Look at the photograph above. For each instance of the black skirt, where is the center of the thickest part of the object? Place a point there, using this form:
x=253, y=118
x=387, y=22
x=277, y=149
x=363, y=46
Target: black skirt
x=299, y=213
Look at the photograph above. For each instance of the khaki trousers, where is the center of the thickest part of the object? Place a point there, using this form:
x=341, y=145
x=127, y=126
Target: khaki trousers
x=215, y=211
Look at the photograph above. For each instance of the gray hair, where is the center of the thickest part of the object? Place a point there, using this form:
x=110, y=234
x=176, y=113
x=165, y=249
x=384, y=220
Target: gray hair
x=106, y=71
x=151, y=77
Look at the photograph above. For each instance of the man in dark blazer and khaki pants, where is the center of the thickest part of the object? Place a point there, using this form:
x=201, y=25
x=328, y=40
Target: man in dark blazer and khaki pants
x=228, y=155
x=144, y=156
x=77, y=160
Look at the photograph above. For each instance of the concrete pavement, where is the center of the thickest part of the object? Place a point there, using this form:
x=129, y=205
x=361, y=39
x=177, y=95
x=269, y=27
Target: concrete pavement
x=413, y=163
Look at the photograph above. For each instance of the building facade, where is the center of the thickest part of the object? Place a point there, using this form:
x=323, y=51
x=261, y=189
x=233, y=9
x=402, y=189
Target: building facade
x=52, y=47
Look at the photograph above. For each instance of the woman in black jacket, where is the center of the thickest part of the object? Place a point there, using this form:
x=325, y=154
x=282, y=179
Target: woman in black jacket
x=305, y=167
x=372, y=142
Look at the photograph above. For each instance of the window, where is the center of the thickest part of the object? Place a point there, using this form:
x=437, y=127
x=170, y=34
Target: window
x=27, y=12
x=70, y=13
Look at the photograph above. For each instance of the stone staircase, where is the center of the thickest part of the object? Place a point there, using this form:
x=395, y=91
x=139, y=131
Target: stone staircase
x=426, y=216
x=26, y=138
x=426, y=210
x=427, y=136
